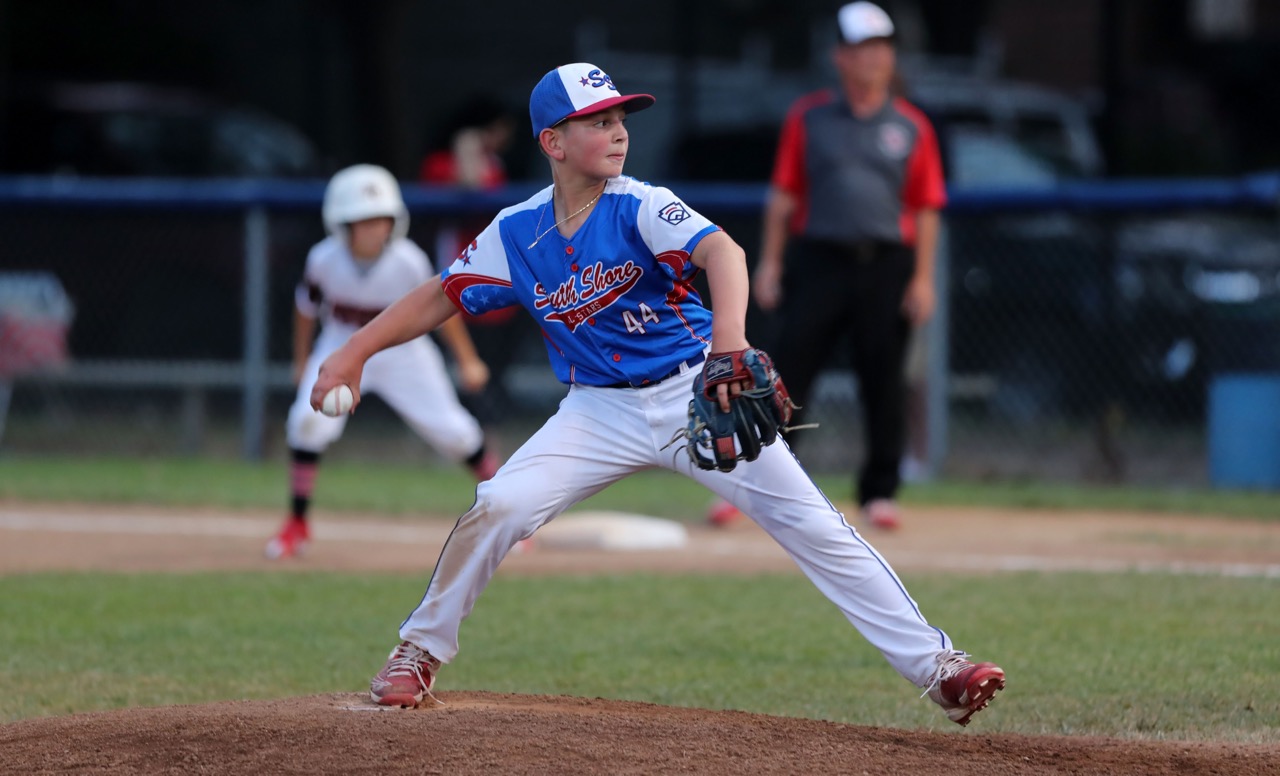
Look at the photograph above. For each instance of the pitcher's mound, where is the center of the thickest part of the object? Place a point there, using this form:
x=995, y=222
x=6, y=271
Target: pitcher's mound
x=489, y=733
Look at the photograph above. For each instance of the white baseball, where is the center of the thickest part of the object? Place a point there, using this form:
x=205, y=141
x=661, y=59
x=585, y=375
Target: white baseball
x=337, y=401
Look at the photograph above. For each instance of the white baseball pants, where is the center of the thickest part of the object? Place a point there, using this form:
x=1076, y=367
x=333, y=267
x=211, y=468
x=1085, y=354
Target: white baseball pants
x=600, y=435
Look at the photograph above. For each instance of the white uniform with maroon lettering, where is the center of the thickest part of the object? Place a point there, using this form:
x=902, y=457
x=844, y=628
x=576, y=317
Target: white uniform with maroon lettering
x=344, y=293
x=627, y=331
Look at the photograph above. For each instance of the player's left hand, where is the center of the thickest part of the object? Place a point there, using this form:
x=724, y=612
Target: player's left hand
x=473, y=375
x=919, y=301
x=726, y=389
x=766, y=284
x=340, y=368
x=758, y=408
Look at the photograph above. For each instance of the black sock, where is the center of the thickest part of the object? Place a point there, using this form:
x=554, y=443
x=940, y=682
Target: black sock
x=475, y=458
x=302, y=478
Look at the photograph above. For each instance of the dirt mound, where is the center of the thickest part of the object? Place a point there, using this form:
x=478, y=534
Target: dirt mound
x=486, y=733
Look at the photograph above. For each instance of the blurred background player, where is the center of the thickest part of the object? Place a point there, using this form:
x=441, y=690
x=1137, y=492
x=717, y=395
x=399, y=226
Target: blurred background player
x=855, y=198
x=364, y=265
x=470, y=154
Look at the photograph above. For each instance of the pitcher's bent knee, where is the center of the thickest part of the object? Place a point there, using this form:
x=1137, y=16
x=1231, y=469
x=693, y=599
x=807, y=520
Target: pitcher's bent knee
x=500, y=502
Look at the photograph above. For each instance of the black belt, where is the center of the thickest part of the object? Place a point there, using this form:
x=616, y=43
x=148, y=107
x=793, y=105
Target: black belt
x=683, y=366
x=858, y=250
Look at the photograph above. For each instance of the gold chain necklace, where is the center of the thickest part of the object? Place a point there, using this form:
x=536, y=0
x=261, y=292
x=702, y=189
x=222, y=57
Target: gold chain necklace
x=556, y=225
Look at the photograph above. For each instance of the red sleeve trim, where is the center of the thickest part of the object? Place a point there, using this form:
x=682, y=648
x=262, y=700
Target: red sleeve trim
x=789, y=173
x=676, y=260
x=925, y=187
x=455, y=285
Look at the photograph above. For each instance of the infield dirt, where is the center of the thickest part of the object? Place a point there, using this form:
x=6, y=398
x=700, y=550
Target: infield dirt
x=476, y=732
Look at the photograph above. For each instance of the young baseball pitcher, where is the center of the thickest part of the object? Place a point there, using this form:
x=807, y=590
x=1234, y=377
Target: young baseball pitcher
x=605, y=264
x=365, y=264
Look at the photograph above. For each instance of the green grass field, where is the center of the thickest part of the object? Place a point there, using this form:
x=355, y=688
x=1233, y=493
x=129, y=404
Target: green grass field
x=1131, y=655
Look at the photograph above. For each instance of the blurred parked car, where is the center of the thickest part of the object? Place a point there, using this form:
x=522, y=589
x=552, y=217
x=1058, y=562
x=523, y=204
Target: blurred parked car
x=1199, y=295
x=1029, y=308
x=137, y=129
x=148, y=287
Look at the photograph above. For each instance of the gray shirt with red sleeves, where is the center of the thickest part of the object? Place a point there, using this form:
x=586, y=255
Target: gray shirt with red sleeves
x=858, y=179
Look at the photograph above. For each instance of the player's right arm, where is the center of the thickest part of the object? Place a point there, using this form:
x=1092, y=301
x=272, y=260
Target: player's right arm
x=413, y=315
x=307, y=297
x=787, y=184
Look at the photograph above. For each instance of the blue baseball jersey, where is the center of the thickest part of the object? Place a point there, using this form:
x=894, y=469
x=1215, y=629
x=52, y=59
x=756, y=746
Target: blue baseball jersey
x=615, y=301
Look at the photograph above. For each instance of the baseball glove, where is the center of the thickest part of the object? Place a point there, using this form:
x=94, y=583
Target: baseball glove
x=718, y=439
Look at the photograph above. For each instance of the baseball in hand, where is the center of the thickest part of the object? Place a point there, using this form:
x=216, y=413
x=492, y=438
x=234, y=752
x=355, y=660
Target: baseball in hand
x=337, y=401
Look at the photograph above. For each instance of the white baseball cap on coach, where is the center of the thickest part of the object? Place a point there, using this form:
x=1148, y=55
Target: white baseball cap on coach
x=863, y=21
x=577, y=90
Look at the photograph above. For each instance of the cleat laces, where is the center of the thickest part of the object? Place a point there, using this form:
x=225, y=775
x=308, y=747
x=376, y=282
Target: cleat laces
x=949, y=664
x=411, y=660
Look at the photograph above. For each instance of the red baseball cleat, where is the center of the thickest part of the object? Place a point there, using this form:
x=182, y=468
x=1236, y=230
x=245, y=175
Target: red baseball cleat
x=722, y=514
x=883, y=513
x=291, y=541
x=407, y=677
x=486, y=467
x=963, y=688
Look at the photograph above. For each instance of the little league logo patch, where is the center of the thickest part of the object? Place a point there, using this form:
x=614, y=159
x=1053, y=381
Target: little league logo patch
x=893, y=141
x=674, y=213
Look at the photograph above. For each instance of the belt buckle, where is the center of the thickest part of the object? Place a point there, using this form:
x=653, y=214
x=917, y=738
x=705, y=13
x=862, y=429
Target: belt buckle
x=680, y=366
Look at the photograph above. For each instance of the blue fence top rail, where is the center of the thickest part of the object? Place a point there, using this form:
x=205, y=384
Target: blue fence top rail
x=235, y=194
x=1261, y=190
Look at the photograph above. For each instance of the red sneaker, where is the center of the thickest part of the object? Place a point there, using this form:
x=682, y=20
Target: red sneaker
x=485, y=468
x=291, y=541
x=722, y=514
x=407, y=677
x=883, y=513
x=963, y=688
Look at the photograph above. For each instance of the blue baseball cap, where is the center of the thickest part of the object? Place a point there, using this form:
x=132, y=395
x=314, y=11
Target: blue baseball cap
x=577, y=90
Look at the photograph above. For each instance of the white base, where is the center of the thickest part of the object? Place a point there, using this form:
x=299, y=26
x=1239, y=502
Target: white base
x=620, y=531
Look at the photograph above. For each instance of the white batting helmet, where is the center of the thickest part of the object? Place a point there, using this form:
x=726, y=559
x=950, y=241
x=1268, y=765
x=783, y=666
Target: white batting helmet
x=360, y=192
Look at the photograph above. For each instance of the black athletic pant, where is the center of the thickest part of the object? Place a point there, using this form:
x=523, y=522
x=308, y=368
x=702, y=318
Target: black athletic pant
x=831, y=290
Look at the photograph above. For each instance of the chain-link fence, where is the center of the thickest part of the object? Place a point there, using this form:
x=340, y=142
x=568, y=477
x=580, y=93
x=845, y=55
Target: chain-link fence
x=1092, y=334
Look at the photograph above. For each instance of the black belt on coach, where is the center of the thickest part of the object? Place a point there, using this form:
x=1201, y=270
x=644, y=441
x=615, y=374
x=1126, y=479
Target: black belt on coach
x=861, y=251
x=685, y=365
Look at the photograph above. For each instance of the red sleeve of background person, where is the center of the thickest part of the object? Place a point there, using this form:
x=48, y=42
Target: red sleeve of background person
x=437, y=167
x=440, y=167
x=924, y=188
x=788, y=165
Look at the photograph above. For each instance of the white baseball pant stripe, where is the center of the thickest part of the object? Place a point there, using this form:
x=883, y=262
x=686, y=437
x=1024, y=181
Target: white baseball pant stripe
x=600, y=435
